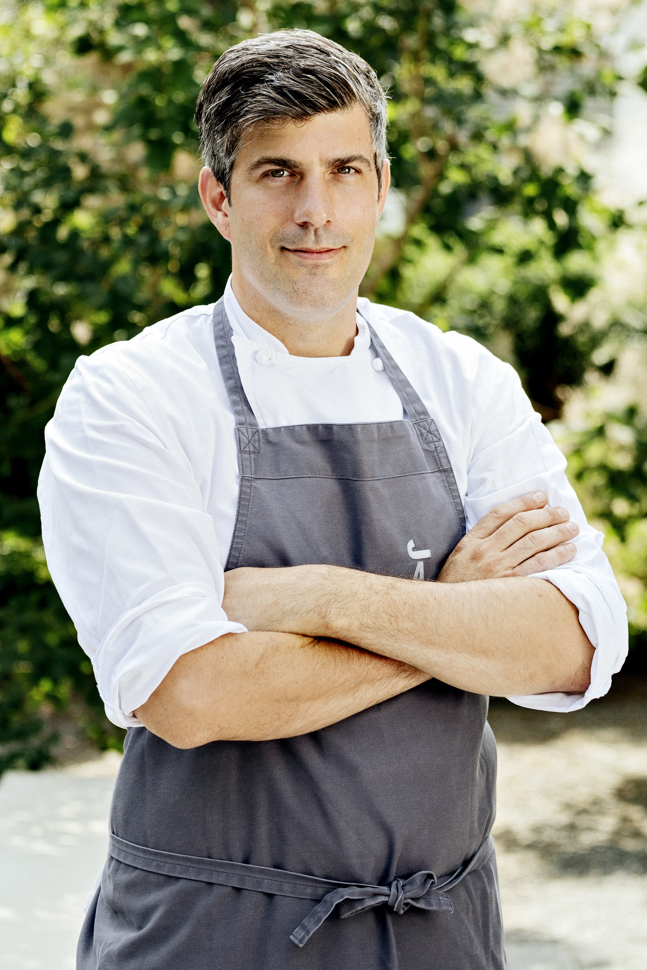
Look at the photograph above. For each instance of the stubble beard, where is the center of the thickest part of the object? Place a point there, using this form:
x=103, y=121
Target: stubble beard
x=315, y=291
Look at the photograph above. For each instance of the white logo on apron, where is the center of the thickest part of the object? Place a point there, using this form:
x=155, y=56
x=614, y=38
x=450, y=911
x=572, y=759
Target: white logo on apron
x=420, y=555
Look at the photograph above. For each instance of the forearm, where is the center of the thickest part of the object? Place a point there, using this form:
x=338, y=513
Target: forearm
x=259, y=686
x=500, y=636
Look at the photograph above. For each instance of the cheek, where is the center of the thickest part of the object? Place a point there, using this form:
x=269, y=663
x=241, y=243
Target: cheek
x=360, y=217
x=364, y=239
x=258, y=218
x=251, y=230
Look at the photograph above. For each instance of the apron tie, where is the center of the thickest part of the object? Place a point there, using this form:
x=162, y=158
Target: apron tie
x=422, y=890
x=417, y=891
x=396, y=897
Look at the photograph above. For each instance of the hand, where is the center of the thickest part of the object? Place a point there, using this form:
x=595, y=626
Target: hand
x=514, y=539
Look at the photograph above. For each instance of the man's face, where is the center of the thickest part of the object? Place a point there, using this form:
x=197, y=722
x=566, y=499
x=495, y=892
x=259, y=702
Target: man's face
x=302, y=212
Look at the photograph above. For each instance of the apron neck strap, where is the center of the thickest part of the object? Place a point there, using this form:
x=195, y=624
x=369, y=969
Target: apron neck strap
x=411, y=402
x=223, y=337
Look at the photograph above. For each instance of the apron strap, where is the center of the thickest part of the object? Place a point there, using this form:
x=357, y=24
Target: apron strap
x=425, y=427
x=405, y=390
x=246, y=423
x=422, y=890
x=223, y=337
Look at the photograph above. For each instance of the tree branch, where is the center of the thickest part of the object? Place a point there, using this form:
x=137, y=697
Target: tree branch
x=13, y=370
x=412, y=82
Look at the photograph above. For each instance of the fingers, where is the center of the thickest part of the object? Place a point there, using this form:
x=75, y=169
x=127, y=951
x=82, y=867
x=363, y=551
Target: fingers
x=534, y=530
x=538, y=541
x=546, y=560
x=501, y=514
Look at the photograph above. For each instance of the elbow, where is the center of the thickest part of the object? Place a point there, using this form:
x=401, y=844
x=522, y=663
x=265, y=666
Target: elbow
x=172, y=723
x=187, y=727
x=190, y=708
x=177, y=716
x=583, y=676
x=572, y=652
x=185, y=736
x=180, y=741
x=202, y=700
x=576, y=679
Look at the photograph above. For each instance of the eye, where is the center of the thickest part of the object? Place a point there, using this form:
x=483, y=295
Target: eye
x=345, y=170
x=277, y=173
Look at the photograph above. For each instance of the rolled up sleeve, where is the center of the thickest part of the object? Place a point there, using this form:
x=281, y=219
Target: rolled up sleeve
x=131, y=549
x=513, y=453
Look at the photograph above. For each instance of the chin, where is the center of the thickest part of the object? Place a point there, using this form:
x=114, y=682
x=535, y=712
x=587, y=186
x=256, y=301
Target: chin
x=316, y=293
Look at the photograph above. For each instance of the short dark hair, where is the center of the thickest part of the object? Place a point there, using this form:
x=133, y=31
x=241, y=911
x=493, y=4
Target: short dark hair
x=290, y=75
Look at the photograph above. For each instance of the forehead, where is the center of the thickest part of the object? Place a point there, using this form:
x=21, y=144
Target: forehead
x=335, y=133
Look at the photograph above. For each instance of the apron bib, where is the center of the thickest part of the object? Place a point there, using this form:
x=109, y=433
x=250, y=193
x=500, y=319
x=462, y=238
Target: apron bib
x=255, y=855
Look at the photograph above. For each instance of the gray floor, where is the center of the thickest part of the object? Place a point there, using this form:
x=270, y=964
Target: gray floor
x=52, y=845
x=540, y=955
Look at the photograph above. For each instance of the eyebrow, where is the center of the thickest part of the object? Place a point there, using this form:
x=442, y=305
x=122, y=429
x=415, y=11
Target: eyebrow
x=291, y=163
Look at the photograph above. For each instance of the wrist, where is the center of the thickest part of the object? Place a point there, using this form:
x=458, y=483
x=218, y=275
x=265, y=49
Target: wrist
x=313, y=601
x=340, y=600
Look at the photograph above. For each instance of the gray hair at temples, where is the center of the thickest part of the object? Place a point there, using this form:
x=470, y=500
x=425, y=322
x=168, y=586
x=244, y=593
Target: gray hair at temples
x=288, y=75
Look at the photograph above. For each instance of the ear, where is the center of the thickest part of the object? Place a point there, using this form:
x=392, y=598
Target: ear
x=215, y=202
x=386, y=181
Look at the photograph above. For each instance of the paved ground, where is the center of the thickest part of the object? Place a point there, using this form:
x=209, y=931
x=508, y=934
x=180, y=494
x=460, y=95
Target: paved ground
x=53, y=828
x=571, y=836
x=571, y=831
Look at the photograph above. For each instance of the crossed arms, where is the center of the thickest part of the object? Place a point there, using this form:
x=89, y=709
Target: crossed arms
x=484, y=626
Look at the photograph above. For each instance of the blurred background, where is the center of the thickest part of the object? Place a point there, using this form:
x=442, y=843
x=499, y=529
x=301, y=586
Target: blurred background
x=518, y=137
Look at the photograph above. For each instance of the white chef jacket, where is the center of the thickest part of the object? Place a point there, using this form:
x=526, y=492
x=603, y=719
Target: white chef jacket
x=139, y=486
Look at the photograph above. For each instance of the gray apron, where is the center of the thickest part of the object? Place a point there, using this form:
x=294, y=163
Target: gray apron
x=364, y=845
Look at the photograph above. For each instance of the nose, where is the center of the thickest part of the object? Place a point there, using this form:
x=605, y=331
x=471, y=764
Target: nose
x=313, y=206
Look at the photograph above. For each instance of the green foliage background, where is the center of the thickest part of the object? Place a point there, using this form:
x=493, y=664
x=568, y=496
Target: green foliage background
x=495, y=229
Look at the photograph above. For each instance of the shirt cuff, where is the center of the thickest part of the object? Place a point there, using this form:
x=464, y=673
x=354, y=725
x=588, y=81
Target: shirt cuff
x=602, y=615
x=141, y=647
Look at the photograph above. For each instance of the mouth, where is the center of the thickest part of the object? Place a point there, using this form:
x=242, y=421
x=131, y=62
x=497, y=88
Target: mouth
x=313, y=255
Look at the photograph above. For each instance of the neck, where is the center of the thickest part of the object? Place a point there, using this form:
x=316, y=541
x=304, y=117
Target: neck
x=308, y=333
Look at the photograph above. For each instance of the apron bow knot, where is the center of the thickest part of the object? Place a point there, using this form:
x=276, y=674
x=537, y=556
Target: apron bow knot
x=419, y=890
x=396, y=897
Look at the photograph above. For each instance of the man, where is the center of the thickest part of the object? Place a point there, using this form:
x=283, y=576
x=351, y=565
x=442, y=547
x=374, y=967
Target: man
x=235, y=505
